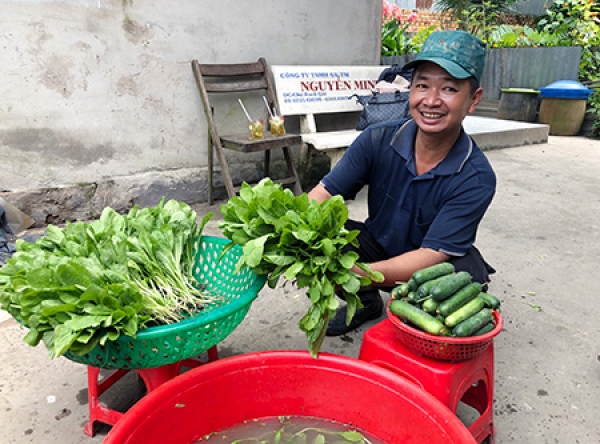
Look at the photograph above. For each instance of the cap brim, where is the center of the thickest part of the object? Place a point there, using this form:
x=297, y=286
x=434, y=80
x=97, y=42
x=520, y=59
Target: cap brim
x=452, y=68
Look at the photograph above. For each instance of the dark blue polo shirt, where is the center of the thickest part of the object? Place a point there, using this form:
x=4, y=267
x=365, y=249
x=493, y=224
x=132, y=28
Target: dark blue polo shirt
x=441, y=209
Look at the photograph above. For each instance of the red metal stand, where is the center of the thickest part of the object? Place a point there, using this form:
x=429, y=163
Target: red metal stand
x=470, y=381
x=152, y=377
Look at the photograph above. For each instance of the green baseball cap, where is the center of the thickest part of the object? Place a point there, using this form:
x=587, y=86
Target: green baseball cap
x=461, y=54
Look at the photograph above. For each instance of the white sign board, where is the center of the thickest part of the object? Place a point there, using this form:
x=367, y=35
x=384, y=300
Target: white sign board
x=322, y=89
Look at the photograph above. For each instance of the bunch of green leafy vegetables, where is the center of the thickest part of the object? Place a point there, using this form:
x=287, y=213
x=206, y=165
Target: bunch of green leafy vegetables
x=300, y=240
x=88, y=283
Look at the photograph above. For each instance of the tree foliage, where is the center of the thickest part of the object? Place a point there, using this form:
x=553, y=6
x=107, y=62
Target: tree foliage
x=475, y=16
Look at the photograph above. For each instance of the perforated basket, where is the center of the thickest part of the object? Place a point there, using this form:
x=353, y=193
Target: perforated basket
x=443, y=348
x=166, y=344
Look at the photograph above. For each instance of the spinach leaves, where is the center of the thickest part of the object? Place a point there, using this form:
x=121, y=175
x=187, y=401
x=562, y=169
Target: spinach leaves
x=298, y=239
x=88, y=283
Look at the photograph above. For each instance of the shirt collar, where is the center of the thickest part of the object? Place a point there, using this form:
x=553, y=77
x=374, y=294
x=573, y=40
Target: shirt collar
x=403, y=144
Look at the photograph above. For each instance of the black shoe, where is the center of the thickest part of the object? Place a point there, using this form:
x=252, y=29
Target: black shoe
x=373, y=307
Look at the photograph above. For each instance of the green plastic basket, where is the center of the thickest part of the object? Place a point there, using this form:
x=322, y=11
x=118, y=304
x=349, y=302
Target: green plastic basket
x=166, y=344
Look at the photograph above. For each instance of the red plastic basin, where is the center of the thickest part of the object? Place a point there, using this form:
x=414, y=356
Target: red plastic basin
x=227, y=392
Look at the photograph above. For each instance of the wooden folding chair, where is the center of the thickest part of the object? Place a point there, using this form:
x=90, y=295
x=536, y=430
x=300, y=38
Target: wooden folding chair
x=230, y=79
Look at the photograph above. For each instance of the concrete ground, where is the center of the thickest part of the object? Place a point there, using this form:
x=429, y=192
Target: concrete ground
x=542, y=235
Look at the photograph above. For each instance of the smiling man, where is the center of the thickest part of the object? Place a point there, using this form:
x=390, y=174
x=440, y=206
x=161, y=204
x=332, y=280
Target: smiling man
x=429, y=184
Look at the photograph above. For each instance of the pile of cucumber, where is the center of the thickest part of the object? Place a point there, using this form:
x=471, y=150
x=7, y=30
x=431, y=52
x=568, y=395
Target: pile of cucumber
x=443, y=302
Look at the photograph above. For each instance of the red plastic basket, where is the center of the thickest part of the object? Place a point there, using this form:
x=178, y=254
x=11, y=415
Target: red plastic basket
x=443, y=347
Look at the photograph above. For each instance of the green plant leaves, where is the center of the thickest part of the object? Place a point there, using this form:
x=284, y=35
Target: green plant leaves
x=288, y=236
x=88, y=283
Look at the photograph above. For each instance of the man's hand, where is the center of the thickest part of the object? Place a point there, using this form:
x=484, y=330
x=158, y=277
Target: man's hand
x=400, y=268
x=319, y=193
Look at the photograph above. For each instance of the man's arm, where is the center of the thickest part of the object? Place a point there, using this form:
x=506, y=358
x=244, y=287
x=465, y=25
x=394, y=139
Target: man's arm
x=400, y=268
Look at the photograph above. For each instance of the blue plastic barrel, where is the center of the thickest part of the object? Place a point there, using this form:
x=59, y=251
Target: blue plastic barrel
x=563, y=107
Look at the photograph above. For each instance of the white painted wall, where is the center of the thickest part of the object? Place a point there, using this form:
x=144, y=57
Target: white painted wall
x=94, y=91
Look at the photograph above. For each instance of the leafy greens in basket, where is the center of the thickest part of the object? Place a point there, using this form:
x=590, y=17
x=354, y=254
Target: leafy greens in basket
x=301, y=240
x=89, y=283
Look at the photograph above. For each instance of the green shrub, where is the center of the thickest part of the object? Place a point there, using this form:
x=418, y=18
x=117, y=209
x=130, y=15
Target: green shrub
x=395, y=41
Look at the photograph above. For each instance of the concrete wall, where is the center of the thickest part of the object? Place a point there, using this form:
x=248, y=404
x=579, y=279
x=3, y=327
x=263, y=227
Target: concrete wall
x=98, y=105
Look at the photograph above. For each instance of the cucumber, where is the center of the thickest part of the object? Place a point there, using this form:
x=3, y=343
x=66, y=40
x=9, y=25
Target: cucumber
x=432, y=272
x=464, y=312
x=400, y=291
x=490, y=301
x=430, y=306
x=412, y=297
x=473, y=323
x=485, y=329
x=460, y=298
x=450, y=285
x=418, y=317
x=412, y=284
x=425, y=288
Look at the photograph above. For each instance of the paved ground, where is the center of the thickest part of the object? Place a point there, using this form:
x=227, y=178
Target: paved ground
x=542, y=235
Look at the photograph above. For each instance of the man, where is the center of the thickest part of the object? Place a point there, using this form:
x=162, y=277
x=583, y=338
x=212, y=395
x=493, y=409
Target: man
x=429, y=183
